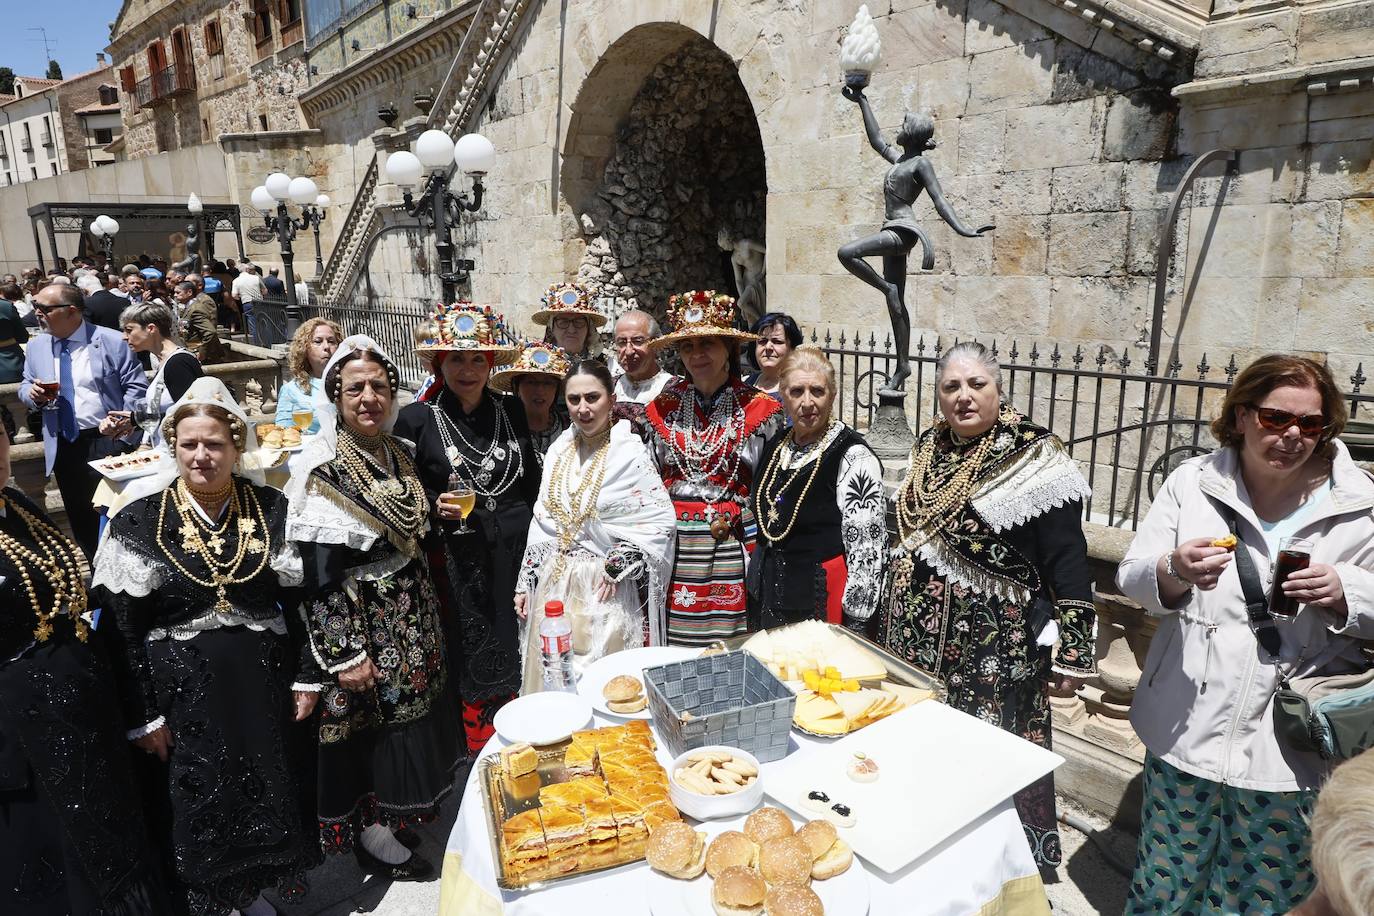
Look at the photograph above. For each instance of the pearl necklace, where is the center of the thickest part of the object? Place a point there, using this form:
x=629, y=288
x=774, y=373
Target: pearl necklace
x=55, y=559
x=720, y=443
x=572, y=505
x=766, y=495
x=246, y=524
x=398, y=498
x=504, y=447
x=928, y=497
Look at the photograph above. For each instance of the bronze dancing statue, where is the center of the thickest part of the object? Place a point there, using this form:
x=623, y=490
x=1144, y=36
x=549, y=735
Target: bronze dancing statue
x=910, y=173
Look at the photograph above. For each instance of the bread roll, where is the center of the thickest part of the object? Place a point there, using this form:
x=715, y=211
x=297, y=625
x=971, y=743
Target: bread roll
x=729, y=849
x=819, y=836
x=786, y=860
x=738, y=891
x=677, y=850
x=767, y=824
x=792, y=900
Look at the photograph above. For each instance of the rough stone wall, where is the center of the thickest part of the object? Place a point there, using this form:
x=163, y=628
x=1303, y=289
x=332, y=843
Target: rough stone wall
x=72, y=95
x=688, y=161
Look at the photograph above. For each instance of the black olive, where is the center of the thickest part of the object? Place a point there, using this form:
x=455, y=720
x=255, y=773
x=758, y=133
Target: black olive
x=818, y=796
x=841, y=810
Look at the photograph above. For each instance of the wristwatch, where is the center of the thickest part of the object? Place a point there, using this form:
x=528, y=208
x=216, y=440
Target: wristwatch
x=1173, y=573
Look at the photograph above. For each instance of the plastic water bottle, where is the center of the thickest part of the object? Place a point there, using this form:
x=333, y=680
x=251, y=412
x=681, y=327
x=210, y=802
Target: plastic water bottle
x=555, y=646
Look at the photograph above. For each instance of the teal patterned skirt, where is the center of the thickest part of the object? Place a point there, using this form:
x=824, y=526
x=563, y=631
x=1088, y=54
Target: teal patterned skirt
x=1210, y=848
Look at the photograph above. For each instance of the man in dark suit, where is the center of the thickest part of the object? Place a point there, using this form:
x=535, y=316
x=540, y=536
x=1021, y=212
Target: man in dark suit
x=104, y=306
x=83, y=379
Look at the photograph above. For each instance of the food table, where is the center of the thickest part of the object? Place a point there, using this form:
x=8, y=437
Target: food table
x=985, y=868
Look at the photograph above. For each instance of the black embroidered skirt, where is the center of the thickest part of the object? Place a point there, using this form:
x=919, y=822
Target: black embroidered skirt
x=72, y=837
x=228, y=807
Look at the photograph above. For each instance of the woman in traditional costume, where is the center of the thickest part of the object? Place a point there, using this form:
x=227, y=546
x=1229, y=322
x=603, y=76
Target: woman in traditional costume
x=536, y=378
x=470, y=435
x=209, y=675
x=571, y=322
x=820, y=509
x=707, y=433
x=604, y=525
x=357, y=514
x=72, y=835
x=992, y=568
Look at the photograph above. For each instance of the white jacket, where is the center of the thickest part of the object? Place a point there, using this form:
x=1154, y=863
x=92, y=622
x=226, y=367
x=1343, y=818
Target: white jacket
x=1206, y=695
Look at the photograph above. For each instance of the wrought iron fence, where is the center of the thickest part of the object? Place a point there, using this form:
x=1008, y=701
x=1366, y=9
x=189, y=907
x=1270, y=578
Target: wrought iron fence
x=1126, y=424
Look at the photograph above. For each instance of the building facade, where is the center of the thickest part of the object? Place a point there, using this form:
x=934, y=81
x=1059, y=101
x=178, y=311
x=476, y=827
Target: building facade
x=88, y=108
x=31, y=142
x=190, y=72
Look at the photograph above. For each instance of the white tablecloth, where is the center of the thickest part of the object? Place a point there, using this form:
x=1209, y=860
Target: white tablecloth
x=986, y=869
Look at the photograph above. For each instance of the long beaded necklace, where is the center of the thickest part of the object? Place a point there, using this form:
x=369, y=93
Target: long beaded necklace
x=766, y=495
x=245, y=524
x=398, y=498
x=504, y=447
x=572, y=505
x=929, y=495
x=55, y=559
x=712, y=453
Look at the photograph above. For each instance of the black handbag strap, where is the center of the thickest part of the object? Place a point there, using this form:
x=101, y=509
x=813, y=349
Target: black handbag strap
x=1256, y=602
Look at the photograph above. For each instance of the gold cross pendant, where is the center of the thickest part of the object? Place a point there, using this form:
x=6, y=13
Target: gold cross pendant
x=188, y=537
x=772, y=515
x=215, y=543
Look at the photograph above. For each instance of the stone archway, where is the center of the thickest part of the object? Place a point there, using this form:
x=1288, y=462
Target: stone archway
x=663, y=151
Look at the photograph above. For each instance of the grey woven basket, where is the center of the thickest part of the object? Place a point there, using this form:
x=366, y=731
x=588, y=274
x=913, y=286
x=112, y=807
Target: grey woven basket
x=732, y=698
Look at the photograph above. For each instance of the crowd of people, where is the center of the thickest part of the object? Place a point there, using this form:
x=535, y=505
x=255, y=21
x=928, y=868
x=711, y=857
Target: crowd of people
x=300, y=669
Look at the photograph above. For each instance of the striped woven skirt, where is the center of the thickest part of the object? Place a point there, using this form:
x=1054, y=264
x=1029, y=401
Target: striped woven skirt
x=706, y=597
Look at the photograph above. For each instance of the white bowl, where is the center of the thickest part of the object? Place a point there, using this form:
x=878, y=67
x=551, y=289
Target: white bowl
x=706, y=807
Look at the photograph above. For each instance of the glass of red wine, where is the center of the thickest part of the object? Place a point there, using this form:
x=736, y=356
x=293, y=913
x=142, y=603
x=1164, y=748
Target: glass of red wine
x=1294, y=554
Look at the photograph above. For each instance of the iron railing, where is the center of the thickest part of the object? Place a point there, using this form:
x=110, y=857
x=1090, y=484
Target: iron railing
x=170, y=81
x=1126, y=424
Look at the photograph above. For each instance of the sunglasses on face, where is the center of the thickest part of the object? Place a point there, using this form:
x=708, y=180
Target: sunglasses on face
x=49, y=309
x=1278, y=421
x=567, y=324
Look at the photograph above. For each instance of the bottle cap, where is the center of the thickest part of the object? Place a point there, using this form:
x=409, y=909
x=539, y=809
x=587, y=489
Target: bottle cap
x=553, y=609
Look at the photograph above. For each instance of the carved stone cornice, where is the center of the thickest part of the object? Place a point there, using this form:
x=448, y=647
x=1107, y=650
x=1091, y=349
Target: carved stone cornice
x=1315, y=79
x=1156, y=33
x=391, y=66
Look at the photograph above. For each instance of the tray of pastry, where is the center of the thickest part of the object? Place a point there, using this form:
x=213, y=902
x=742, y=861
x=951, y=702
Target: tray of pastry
x=581, y=806
x=139, y=463
x=843, y=681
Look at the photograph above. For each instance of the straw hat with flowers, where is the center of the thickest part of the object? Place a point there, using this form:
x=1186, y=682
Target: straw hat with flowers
x=537, y=358
x=569, y=300
x=699, y=313
x=473, y=328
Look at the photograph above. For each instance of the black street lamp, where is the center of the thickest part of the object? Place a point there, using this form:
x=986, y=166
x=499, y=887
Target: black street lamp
x=437, y=206
x=314, y=216
x=272, y=195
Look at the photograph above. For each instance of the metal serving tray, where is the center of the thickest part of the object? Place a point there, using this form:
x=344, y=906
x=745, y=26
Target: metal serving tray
x=899, y=671
x=504, y=798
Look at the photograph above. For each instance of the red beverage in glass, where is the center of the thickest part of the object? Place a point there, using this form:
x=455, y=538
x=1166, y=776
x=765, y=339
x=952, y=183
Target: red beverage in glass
x=1294, y=554
x=50, y=388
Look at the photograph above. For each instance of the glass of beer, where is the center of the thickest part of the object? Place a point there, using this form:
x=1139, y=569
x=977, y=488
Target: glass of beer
x=302, y=418
x=1294, y=554
x=460, y=496
x=52, y=390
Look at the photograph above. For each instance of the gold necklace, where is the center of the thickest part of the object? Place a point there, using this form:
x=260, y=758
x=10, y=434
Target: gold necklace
x=223, y=573
x=927, y=497
x=774, y=499
x=571, y=506
x=55, y=558
x=398, y=498
x=212, y=500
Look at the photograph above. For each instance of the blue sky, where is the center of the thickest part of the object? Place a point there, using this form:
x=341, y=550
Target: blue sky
x=76, y=30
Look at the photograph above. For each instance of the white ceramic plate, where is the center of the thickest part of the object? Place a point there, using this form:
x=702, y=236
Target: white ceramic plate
x=127, y=470
x=922, y=796
x=543, y=718
x=631, y=662
x=843, y=895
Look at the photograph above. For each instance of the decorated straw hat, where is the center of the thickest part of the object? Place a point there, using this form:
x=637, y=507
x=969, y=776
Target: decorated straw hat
x=700, y=313
x=537, y=358
x=569, y=299
x=474, y=328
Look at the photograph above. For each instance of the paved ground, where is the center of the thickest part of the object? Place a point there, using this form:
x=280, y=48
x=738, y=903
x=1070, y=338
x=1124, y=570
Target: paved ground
x=1087, y=884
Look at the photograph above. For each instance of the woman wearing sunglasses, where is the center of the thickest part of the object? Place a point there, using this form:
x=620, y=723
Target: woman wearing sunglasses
x=1227, y=799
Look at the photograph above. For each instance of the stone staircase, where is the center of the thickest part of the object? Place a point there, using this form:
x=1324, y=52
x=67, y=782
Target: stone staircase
x=475, y=66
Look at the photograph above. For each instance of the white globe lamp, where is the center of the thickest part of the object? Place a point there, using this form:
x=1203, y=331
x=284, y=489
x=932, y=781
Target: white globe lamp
x=404, y=168
x=474, y=154
x=303, y=191
x=434, y=149
x=262, y=200
x=322, y=201
x=278, y=184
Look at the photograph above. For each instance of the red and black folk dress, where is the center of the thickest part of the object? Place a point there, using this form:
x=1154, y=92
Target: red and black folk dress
x=991, y=567
x=822, y=531
x=707, y=450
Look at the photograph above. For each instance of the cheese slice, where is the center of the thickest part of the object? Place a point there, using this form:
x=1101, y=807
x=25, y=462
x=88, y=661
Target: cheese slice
x=909, y=696
x=860, y=703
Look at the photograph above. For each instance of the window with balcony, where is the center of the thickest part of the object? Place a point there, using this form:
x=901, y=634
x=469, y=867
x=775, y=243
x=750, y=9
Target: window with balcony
x=27, y=143
x=46, y=136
